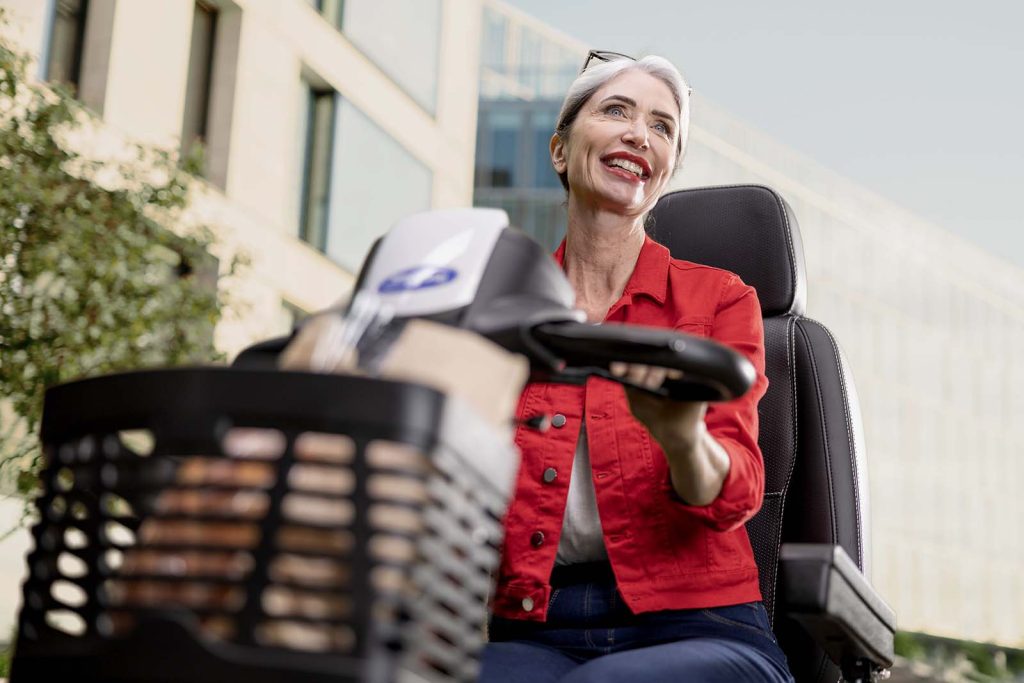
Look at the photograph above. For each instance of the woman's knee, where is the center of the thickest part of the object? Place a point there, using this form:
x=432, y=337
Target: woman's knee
x=698, y=660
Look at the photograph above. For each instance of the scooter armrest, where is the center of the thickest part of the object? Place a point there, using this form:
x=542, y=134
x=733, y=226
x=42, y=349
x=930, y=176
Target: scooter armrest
x=829, y=596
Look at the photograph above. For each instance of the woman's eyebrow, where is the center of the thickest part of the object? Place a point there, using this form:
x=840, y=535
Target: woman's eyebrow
x=663, y=115
x=622, y=98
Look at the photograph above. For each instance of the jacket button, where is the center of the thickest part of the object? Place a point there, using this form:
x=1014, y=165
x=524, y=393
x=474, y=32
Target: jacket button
x=527, y=604
x=558, y=420
x=550, y=474
x=537, y=539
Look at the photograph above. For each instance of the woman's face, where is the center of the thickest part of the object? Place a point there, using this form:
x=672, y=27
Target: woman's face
x=621, y=149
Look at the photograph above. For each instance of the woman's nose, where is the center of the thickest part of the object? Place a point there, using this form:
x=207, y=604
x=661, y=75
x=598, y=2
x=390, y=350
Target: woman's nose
x=636, y=134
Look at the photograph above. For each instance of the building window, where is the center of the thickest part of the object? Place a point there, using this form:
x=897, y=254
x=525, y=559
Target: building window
x=357, y=180
x=316, y=174
x=513, y=144
x=498, y=147
x=406, y=50
x=332, y=10
x=542, y=127
x=375, y=183
x=493, y=49
x=513, y=166
x=200, y=71
x=67, y=39
x=530, y=60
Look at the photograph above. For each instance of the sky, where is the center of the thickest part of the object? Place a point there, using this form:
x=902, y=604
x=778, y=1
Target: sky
x=920, y=102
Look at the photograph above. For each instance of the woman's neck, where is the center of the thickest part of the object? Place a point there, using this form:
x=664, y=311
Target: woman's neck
x=601, y=249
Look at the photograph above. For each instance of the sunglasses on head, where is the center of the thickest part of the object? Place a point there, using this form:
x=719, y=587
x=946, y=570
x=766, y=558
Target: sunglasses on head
x=604, y=56
x=609, y=56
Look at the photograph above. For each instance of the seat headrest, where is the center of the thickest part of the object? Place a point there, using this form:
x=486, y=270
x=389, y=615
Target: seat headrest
x=747, y=229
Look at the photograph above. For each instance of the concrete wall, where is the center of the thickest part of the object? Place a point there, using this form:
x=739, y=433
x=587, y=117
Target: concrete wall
x=12, y=565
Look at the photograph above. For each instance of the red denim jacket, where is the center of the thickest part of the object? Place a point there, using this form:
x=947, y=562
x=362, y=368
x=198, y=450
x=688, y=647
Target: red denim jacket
x=665, y=554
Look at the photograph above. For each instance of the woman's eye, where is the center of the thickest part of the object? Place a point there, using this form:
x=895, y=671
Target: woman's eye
x=662, y=128
x=615, y=110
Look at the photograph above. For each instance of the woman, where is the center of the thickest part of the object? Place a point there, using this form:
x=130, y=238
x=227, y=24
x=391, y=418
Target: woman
x=625, y=555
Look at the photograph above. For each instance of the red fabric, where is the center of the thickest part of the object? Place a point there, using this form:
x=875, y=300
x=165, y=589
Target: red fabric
x=665, y=554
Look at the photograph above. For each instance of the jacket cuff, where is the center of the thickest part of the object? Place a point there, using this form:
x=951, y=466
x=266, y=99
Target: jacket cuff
x=740, y=497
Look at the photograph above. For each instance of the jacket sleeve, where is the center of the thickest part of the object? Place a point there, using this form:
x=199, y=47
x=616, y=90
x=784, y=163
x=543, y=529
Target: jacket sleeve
x=733, y=424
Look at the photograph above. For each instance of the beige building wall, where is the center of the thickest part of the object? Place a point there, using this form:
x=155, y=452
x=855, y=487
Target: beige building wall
x=134, y=74
x=256, y=115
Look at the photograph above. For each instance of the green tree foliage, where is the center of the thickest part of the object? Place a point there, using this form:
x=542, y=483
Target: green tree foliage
x=91, y=280
x=907, y=645
x=958, y=661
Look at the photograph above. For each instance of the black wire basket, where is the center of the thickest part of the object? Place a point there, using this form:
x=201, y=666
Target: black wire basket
x=222, y=524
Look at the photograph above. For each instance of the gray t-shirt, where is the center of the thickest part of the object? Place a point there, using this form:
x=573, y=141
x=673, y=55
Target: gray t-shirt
x=582, y=538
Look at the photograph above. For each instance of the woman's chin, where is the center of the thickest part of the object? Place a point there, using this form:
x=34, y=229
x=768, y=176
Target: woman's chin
x=626, y=199
x=624, y=202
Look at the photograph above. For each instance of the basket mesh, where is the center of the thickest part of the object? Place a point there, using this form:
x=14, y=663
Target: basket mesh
x=347, y=549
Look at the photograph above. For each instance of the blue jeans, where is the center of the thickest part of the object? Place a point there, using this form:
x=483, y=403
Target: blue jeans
x=591, y=636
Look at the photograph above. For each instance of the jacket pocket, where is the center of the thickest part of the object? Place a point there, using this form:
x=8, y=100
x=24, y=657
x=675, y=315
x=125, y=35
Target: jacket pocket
x=697, y=325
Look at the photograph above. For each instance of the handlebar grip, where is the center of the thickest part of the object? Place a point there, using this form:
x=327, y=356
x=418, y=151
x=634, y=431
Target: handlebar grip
x=711, y=371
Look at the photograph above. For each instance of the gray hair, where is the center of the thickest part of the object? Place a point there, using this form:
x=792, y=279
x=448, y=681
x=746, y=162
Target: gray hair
x=591, y=80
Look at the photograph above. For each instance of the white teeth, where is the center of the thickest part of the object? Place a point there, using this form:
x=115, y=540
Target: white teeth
x=627, y=165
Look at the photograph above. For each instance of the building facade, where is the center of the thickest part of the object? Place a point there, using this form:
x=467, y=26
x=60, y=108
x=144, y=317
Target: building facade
x=319, y=132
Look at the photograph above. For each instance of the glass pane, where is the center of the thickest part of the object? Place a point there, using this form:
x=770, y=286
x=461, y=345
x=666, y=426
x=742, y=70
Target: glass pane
x=495, y=27
x=66, y=41
x=542, y=127
x=200, y=66
x=318, y=167
x=538, y=213
x=530, y=61
x=402, y=38
x=505, y=129
x=375, y=182
x=333, y=11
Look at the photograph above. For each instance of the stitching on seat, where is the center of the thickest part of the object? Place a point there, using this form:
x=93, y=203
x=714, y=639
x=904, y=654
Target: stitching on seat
x=824, y=429
x=849, y=439
x=822, y=658
x=791, y=344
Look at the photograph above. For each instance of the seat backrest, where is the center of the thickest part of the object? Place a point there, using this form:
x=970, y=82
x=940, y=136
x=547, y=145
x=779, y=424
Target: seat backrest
x=810, y=427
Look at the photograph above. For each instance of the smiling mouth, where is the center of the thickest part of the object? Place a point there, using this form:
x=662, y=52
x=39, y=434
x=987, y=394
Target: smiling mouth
x=628, y=166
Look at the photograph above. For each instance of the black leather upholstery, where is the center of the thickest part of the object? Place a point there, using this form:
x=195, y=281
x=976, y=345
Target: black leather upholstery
x=810, y=429
x=745, y=229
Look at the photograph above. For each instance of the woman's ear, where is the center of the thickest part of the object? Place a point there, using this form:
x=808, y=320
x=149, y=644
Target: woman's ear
x=558, y=154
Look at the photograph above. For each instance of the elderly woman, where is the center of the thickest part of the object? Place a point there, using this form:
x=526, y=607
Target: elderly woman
x=625, y=557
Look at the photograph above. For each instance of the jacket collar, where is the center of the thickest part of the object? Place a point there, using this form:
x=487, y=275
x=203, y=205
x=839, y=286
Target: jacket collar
x=650, y=275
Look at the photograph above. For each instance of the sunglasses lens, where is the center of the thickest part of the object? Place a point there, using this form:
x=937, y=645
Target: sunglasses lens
x=603, y=56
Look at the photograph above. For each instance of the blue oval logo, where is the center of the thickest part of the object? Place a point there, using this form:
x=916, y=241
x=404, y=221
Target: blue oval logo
x=418, y=277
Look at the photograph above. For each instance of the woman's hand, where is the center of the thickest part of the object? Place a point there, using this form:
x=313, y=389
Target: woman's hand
x=676, y=422
x=698, y=464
